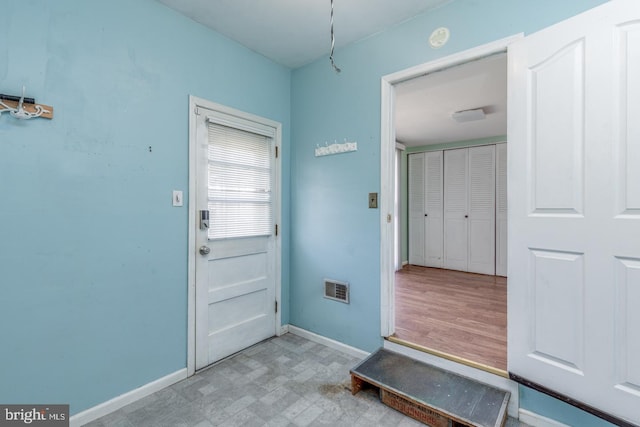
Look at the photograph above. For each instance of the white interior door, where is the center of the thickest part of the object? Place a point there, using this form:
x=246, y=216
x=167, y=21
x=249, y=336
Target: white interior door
x=482, y=210
x=433, y=220
x=456, y=209
x=501, y=209
x=574, y=208
x=416, y=163
x=236, y=252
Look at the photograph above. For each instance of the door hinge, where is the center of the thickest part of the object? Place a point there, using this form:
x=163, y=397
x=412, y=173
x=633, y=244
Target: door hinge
x=276, y=229
x=277, y=151
x=276, y=306
x=196, y=111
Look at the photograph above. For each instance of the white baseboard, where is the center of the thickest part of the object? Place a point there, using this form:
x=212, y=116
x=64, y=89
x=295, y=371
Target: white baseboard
x=535, y=420
x=116, y=403
x=336, y=345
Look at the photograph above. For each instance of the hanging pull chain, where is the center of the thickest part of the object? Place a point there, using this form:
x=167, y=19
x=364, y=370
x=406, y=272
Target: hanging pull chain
x=333, y=43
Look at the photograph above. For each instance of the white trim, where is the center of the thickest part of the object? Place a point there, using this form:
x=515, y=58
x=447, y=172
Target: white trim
x=535, y=420
x=336, y=345
x=400, y=146
x=194, y=104
x=191, y=231
x=123, y=400
x=387, y=207
x=467, y=371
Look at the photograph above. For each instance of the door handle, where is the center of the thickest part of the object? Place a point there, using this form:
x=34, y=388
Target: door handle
x=466, y=216
x=204, y=250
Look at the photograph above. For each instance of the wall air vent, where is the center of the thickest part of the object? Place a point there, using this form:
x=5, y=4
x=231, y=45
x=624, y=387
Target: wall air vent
x=335, y=290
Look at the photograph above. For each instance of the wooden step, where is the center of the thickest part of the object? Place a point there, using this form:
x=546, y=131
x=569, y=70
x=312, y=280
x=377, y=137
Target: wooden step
x=431, y=395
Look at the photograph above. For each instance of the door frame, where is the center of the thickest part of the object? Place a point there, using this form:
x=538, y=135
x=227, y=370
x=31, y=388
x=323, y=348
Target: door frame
x=194, y=103
x=387, y=166
x=387, y=221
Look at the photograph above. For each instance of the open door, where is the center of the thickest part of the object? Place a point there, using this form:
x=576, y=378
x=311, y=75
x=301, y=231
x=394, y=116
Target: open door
x=574, y=208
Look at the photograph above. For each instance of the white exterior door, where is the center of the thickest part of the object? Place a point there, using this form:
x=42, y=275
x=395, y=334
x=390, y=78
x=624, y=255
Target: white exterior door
x=574, y=208
x=236, y=259
x=456, y=209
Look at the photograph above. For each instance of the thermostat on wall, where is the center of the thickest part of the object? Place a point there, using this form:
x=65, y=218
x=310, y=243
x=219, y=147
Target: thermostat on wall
x=439, y=37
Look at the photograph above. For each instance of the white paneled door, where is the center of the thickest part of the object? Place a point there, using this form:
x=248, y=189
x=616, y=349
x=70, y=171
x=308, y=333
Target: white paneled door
x=236, y=259
x=574, y=208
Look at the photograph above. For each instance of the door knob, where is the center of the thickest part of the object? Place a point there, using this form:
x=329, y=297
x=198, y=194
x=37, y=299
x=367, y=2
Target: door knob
x=466, y=216
x=204, y=250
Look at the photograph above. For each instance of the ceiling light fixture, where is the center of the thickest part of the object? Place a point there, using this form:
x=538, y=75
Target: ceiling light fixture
x=468, y=115
x=333, y=43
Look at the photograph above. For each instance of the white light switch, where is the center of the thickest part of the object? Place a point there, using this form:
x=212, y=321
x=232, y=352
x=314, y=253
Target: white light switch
x=177, y=198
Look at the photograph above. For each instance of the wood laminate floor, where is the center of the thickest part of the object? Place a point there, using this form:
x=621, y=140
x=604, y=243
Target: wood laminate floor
x=462, y=314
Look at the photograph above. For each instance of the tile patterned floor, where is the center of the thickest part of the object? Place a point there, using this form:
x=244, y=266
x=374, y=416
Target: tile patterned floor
x=284, y=381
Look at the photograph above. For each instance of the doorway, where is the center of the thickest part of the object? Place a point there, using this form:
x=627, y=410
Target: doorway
x=402, y=313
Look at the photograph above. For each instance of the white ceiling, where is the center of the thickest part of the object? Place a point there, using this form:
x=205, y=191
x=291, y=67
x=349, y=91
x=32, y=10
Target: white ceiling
x=424, y=105
x=296, y=32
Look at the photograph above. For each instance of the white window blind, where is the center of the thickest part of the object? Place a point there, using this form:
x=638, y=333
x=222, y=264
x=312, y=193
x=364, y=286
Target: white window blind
x=239, y=183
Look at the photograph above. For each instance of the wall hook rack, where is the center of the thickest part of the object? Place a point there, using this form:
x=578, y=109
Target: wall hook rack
x=24, y=108
x=336, y=148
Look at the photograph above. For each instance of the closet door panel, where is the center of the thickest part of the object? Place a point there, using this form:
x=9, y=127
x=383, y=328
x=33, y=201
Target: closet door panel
x=481, y=221
x=416, y=175
x=434, y=205
x=455, y=209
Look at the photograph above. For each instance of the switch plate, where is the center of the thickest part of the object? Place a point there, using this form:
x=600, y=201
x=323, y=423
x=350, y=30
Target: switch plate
x=177, y=198
x=373, y=200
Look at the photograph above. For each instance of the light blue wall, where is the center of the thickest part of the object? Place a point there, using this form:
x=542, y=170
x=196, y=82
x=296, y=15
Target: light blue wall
x=334, y=234
x=93, y=257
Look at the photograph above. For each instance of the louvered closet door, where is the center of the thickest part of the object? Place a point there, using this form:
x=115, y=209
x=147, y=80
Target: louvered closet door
x=501, y=209
x=416, y=209
x=481, y=221
x=455, y=209
x=433, y=215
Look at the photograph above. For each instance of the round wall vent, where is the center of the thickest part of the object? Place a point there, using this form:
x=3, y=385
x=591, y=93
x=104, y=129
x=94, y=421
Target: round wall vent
x=439, y=37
